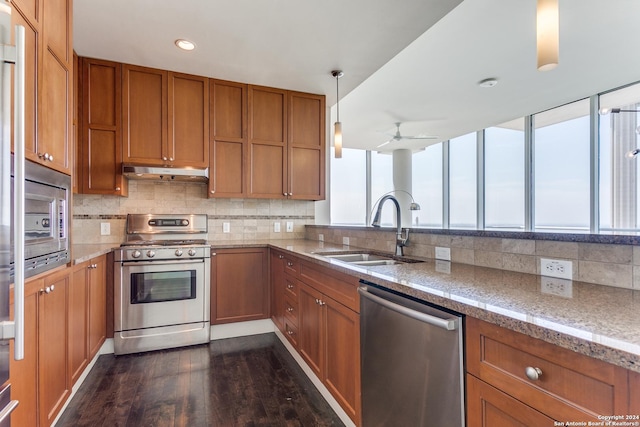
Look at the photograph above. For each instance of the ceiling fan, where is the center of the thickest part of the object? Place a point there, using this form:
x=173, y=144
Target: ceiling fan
x=398, y=136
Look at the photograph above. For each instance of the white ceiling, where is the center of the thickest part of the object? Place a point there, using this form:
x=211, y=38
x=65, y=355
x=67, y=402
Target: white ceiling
x=401, y=63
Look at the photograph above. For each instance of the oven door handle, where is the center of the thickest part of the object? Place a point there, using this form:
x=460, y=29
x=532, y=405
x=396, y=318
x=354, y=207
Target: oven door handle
x=163, y=262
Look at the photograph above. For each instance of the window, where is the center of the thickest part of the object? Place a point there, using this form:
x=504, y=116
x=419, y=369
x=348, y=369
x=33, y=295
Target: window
x=427, y=187
x=562, y=168
x=348, y=188
x=619, y=174
x=504, y=176
x=462, y=186
x=381, y=183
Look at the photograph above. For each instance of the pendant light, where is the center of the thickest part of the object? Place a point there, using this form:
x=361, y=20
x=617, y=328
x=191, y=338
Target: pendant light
x=337, y=127
x=547, y=25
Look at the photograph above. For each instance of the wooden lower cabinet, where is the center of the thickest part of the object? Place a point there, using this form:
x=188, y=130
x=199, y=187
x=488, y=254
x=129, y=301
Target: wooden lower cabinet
x=276, y=273
x=41, y=381
x=239, y=285
x=492, y=408
x=97, y=303
x=564, y=385
x=325, y=332
x=78, y=322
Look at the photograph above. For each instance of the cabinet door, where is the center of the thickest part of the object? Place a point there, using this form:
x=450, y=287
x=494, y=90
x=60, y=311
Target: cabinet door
x=311, y=328
x=239, y=285
x=54, y=113
x=342, y=368
x=266, y=173
x=227, y=174
x=97, y=333
x=306, y=146
x=78, y=321
x=31, y=80
x=23, y=373
x=53, y=378
x=277, y=289
x=57, y=18
x=101, y=140
x=188, y=142
x=144, y=110
x=489, y=407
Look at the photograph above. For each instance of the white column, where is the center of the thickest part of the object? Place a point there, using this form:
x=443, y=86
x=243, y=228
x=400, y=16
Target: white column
x=402, y=178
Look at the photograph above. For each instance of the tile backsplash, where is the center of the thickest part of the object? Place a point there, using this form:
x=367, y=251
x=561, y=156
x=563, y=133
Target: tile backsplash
x=615, y=265
x=249, y=219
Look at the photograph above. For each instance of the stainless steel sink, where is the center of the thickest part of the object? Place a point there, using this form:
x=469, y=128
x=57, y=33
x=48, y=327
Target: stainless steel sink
x=366, y=258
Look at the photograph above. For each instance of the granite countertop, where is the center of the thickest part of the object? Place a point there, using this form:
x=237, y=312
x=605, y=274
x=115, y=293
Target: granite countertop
x=84, y=252
x=599, y=321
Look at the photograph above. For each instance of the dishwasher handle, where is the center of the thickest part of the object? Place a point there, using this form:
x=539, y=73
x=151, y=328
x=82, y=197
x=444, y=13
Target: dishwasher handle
x=448, y=324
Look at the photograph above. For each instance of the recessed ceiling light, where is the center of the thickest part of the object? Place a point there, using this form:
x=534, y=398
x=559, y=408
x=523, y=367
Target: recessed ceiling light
x=185, y=44
x=490, y=82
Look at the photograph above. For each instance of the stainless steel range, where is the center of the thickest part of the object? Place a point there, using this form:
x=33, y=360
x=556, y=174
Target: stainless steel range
x=161, y=283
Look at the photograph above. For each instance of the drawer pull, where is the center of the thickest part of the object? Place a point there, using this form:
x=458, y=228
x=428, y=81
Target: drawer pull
x=289, y=332
x=532, y=373
x=289, y=286
x=289, y=263
x=290, y=309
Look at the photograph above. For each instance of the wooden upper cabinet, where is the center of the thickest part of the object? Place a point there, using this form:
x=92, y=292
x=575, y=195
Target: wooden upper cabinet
x=227, y=173
x=58, y=29
x=31, y=80
x=267, y=160
x=306, y=146
x=188, y=133
x=144, y=108
x=166, y=117
x=31, y=9
x=100, y=145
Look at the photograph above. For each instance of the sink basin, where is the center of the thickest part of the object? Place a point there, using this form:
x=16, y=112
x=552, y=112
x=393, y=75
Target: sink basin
x=366, y=258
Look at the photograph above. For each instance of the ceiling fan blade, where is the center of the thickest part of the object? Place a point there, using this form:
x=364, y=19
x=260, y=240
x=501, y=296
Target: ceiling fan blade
x=420, y=137
x=384, y=143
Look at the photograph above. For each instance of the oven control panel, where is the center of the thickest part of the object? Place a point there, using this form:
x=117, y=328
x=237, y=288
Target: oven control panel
x=162, y=253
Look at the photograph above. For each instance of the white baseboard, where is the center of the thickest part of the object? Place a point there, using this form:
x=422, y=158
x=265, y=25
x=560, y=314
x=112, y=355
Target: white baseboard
x=316, y=381
x=107, y=347
x=241, y=329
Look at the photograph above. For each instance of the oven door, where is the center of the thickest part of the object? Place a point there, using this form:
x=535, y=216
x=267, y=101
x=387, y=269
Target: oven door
x=160, y=293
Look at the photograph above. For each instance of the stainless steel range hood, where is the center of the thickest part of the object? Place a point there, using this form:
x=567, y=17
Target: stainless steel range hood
x=165, y=173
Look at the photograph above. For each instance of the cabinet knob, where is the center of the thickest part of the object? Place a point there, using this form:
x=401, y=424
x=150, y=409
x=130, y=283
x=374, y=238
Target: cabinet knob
x=281, y=256
x=533, y=373
x=213, y=254
x=289, y=332
x=212, y=191
x=289, y=263
x=171, y=159
x=117, y=188
x=164, y=158
x=290, y=309
x=289, y=286
x=51, y=158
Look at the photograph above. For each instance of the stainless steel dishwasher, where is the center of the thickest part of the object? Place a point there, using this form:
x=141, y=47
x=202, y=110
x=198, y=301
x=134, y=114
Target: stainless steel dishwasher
x=412, y=362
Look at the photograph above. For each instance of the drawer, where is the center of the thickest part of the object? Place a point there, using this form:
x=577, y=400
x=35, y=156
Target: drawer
x=291, y=309
x=291, y=287
x=291, y=332
x=291, y=265
x=558, y=382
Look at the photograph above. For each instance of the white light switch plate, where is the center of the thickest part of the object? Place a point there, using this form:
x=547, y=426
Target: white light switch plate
x=226, y=227
x=276, y=227
x=443, y=253
x=105, y=229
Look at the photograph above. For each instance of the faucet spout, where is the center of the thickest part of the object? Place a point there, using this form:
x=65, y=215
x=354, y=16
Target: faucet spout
x=401, y=238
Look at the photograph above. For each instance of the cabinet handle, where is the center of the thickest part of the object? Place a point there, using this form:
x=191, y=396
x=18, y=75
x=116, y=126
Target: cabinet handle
x=322, y=302
x=289, y=263
x=281, y=256
x=533, y=373
x=117, y=188
x=289, y=286
x=290, y=309
x=214, y=253
x=47, y=290
x=284, y=194
x=212, y=191
x=51, y=157
x=289, y=332
x=317, y=301
x=46, y=156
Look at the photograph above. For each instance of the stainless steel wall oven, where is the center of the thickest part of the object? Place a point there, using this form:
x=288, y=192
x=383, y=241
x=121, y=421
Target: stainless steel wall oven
x=161, y=284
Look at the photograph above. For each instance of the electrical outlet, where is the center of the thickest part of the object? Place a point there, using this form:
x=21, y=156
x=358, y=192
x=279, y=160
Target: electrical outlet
x=320, y=237
x=105, y=229
x=276, y=227
x=558, y=287
x=443, y=253
x=345, y=241
x=556, y=268
x=226, y=227
x=289, y=226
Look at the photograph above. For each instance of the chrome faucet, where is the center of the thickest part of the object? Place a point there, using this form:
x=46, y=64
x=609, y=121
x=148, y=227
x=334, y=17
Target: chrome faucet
x=401, y=240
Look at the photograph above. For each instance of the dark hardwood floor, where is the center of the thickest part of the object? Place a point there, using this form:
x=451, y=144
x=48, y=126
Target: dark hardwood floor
x=247, y=381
